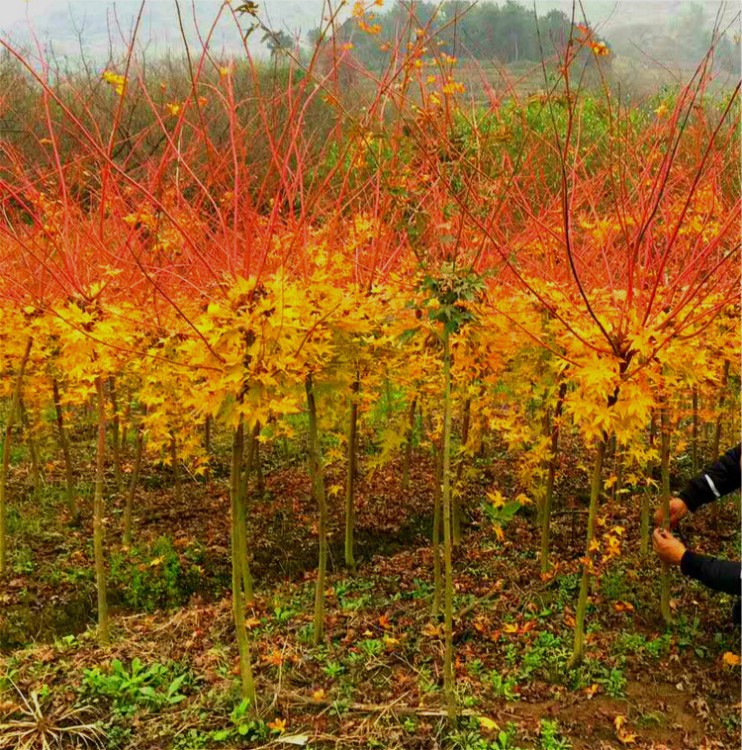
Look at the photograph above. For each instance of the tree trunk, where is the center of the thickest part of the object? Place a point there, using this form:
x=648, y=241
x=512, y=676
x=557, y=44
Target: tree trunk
x=389, y=408
x=665, y=473
x=33, y=450
x=128, y=509
x=260, y=480
x=694, y=433
x=207, y=434
x=717, y=439
x=176, y=470
x=65, y=445
x=318, y=490
x=456, y=503
x=5, y=464
x=550, y=479
x=350, y=475
x=578, y=651
x=644, y=523
x=247, y=684
x=407, y=458
x=448, y=673
x=116, y=435
x=247, y=582
x=98, y=531
x=437, y=576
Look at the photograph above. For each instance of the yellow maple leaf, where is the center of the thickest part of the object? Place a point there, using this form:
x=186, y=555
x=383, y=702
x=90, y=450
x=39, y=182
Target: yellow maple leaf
x=277, y=725
x=624, y=737
x=730, y=660
x=487, y=724
x=432, y=631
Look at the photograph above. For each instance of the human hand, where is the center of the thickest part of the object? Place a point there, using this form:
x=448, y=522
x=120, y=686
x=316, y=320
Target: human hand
x=669, y=549
x=678, y=509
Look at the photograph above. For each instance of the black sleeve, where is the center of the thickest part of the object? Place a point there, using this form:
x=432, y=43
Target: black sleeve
x=718, y=480
x=719, y=575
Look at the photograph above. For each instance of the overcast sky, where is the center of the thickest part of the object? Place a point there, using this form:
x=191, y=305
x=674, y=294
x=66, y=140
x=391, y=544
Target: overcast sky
x=51, y=19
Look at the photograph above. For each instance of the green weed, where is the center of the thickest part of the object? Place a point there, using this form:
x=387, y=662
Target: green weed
x=153, y=687
x=550, y=737
x=504, y=687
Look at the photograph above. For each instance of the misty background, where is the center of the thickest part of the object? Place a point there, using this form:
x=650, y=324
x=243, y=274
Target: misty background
x=642, y=35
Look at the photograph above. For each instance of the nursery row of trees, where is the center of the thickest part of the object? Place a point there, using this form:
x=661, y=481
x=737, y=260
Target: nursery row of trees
x=558, y=263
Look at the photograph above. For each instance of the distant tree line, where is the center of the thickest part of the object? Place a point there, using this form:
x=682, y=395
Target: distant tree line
x=509, y=33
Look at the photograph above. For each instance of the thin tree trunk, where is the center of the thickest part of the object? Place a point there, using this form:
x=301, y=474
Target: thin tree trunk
x=318, y=490
x=350, y=475
x=717, y=439
x=694, y=433
x=456, y=503
x=550, y=479
x=247, y=684
x=407, y=458
x=247, y=582
x=644, y=522
x=665, y=473
x=260, y=480
x=437, y=574
x=578, y=651
x=5, y=464
x=389, y=409
x=33, y=450
x=448, y=673
x=207, y=434
x=65, y=445
x=98, y=531
x=128, y=509
x=176, y=470
x=116, y=434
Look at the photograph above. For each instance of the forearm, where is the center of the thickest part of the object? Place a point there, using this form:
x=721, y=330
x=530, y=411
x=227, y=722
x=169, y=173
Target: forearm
x=718, y=480
x=719, y=575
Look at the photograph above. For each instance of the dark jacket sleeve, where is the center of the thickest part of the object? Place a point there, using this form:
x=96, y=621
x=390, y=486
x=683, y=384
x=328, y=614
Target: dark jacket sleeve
x=719, y=575
x=715, y=482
